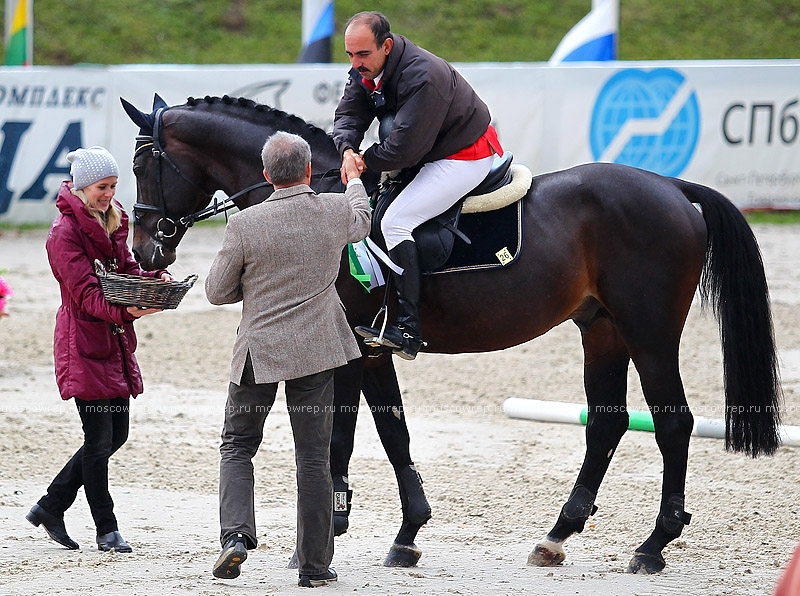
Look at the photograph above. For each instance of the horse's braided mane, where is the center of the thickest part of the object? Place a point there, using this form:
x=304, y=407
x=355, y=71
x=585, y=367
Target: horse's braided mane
x=249, y=104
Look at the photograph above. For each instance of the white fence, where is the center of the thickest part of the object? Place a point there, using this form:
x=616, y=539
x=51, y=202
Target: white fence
x=734, y=126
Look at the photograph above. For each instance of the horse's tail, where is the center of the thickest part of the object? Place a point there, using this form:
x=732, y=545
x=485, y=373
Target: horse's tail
x=735, y=285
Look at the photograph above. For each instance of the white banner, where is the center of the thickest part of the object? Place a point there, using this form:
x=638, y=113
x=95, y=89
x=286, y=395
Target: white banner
x=732, y=126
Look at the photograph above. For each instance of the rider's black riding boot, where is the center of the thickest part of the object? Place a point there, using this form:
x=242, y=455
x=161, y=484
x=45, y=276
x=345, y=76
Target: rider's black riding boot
x=405, y=336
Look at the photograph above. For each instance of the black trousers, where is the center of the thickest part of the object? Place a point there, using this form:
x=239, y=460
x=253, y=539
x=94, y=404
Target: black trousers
x=105, y=429
x=309, y=400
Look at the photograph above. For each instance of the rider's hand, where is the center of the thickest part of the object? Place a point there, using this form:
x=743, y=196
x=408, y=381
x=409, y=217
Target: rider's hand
x=352, y=165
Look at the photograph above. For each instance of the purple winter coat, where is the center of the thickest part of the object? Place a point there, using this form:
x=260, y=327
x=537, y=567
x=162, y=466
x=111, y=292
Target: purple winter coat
x=91, y=361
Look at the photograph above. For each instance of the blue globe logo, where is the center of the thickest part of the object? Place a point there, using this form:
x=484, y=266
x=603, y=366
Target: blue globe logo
x=649, y=120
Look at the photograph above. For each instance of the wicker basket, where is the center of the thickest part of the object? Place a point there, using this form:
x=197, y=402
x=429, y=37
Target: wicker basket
x=146, y=292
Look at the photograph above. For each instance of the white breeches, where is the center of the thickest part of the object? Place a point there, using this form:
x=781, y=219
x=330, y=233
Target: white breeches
x=433, y=191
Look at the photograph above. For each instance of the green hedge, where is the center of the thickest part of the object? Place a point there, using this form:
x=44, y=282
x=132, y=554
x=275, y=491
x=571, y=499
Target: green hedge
x=268, y=31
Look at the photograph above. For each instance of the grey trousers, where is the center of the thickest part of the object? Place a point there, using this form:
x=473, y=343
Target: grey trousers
x=309, y=400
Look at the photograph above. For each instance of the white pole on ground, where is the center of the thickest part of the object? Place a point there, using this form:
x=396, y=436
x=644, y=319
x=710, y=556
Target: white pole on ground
x=569, y=413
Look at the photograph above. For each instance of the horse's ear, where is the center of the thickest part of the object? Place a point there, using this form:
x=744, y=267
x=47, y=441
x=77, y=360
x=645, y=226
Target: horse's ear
x=144, y=121
x=158, y=102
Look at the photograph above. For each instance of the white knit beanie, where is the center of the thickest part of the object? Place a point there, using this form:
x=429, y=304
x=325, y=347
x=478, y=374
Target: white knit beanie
x=90, y=165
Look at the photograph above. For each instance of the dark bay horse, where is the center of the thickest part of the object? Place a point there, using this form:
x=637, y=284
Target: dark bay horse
x=617, y=250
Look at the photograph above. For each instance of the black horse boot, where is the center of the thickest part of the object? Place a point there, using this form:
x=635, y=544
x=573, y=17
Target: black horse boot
x=416, y=512
x=416, y=509
x=342, y=504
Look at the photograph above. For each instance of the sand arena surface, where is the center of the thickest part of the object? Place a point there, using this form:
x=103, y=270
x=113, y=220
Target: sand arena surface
x=495, y=484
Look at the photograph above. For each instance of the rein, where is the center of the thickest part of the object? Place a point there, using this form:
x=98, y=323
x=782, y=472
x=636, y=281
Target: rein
x=167, y=227
x=229, y=203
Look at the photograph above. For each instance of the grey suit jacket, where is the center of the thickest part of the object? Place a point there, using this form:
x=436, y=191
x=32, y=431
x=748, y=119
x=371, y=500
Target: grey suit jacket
x=281, y=259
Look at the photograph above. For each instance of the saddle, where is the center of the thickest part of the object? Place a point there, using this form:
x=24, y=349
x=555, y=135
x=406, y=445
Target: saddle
x=436, y=238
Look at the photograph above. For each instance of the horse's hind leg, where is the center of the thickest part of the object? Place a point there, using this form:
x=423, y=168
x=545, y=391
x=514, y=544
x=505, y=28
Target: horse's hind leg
x=663, y=390
x=605, y=381
x=384, y=399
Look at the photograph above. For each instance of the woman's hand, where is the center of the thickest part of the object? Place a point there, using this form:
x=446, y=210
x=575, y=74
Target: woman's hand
x=167, y=277
x=137, y=311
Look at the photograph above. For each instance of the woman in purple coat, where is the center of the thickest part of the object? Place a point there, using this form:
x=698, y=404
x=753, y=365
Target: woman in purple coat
x=94, y=341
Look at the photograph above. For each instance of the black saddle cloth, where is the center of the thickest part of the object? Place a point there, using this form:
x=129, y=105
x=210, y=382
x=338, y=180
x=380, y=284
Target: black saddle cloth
x=454, y=241
x=496, y=241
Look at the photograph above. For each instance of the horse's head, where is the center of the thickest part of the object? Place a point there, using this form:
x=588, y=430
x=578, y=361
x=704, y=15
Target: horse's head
x=170, y=184
x=185, y=153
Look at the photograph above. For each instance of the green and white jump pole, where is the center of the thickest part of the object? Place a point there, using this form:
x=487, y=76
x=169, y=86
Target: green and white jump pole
x=555, y=411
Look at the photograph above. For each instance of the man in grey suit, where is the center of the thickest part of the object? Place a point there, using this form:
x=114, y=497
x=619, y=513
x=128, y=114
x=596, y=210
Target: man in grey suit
x=281, y=259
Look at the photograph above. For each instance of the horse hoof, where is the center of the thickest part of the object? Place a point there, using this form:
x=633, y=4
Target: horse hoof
x=547, y=554
x=646, y=564
x=340, y=524
x=293, y=563
x=401, y=555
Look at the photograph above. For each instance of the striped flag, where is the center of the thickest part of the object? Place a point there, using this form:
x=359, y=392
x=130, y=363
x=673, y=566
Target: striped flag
x=317, y=31
x=594, y=38
x=19, y=32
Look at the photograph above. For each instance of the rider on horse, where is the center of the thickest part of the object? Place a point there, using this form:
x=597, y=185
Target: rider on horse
x=440, y=123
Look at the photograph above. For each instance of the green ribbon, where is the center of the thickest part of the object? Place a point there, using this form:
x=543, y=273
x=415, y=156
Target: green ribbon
x=356, y=270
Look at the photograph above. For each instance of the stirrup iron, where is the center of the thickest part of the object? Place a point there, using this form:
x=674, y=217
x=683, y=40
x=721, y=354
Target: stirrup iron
x=376, y=341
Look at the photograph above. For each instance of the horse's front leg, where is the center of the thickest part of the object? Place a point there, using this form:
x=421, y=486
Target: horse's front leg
x=346, y=396
x=382, y=394
x=605, y=381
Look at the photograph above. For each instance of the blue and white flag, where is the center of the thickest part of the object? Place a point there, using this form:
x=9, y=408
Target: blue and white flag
x=317, y=31
x=594, y=38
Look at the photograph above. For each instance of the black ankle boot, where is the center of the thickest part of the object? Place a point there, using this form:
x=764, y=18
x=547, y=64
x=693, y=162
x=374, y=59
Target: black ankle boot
x=113, y=541
x=53, y=525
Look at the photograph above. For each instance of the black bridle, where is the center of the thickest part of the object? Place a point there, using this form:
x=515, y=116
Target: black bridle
x=167, y=227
